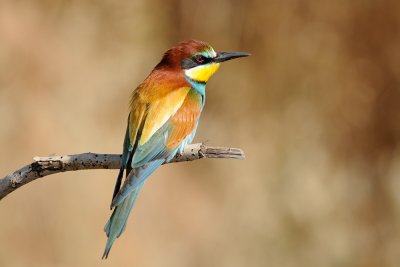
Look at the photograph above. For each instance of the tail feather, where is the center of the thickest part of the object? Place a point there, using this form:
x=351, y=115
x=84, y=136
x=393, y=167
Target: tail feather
x=134, y=179
x=124, y=201
x=117, y=222
x=118, y=183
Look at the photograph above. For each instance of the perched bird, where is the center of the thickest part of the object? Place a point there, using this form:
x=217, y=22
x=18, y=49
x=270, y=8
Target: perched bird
x=164, y=114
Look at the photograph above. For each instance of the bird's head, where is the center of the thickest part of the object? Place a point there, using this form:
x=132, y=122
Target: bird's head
x=196, y=59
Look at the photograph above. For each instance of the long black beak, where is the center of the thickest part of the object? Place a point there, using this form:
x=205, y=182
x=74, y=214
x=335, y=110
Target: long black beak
x=224, y=56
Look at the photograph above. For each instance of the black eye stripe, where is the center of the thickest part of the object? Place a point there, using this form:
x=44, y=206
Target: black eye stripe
x=201, y=60
x=191, y=62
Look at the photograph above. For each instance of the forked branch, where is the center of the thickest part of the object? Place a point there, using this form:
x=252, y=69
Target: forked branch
x=43, y=166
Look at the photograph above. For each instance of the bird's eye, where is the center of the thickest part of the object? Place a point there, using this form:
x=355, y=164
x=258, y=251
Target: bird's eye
x=199, y=59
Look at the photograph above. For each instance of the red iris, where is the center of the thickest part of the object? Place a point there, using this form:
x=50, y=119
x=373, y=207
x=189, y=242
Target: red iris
x=199, y=59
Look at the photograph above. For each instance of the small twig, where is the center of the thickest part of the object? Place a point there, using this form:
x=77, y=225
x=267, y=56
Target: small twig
x=43, y=166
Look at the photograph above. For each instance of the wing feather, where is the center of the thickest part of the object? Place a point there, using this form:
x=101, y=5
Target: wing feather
x=161, y=111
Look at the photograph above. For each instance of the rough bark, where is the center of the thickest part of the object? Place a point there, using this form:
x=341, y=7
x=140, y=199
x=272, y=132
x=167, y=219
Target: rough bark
x=43, y=166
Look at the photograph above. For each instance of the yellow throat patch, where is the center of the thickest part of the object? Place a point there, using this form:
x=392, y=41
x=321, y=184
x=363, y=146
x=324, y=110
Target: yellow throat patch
x=203, y=72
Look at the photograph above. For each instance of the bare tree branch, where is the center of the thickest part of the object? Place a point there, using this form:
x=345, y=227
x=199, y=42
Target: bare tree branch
x=43, y=166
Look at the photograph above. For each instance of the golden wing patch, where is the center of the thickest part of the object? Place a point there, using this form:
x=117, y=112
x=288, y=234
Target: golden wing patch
x=138, y=113
x=161, y=110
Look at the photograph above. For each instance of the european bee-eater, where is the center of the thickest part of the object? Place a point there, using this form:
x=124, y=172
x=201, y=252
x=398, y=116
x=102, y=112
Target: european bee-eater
x=164, y=114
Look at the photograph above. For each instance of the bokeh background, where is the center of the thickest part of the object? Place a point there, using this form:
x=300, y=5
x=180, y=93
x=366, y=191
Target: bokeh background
x=316, y=109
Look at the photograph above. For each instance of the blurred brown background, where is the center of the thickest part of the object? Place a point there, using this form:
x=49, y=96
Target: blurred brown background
x=316, y=109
